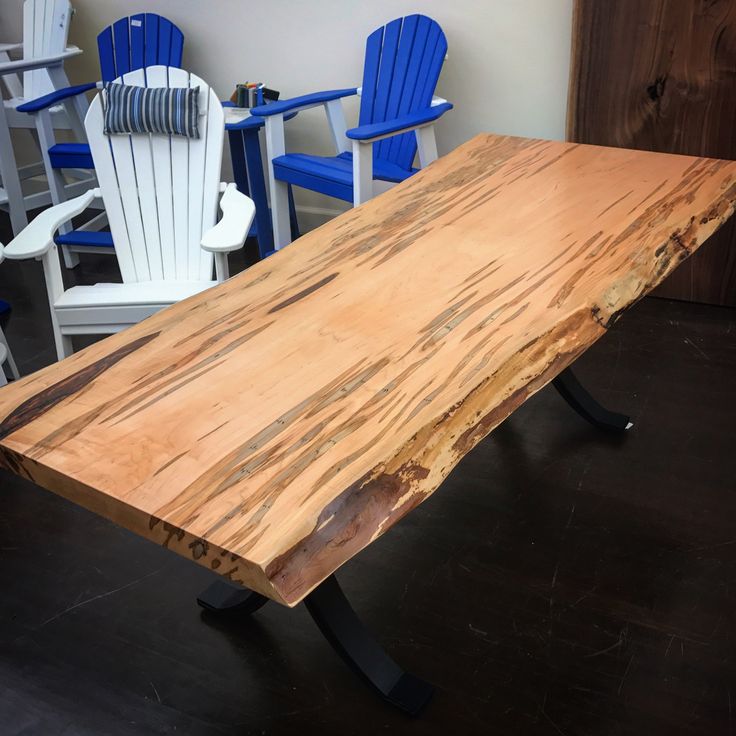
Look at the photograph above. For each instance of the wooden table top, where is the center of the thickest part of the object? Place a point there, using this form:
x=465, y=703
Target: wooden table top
x=273, y=426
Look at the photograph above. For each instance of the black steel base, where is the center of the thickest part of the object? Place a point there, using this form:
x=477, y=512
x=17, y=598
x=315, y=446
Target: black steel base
x=584, y=404
x=227, y=599
x=342, y=628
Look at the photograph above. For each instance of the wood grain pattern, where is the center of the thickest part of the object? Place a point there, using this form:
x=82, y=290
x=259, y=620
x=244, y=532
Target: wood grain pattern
x=272, y=427
x=659, y=75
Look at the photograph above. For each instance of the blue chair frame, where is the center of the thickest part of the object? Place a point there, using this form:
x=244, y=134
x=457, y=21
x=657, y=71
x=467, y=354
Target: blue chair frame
x=131, y=43
x=403, y=61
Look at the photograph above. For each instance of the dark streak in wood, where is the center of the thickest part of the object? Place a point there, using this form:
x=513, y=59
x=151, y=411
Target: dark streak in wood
x=58, y=392
x=303, y=293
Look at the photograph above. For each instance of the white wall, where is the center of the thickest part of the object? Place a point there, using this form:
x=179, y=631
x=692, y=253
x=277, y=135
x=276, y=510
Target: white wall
x=506, y=72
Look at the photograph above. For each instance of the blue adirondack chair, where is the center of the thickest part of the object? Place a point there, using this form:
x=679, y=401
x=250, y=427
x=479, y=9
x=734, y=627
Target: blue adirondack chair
x=136, y=42
x=397, y=111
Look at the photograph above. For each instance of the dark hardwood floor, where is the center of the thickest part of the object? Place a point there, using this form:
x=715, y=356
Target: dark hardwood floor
x=560, y=582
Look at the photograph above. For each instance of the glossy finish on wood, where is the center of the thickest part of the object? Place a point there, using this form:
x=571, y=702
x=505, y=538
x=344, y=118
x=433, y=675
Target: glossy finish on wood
x=273, y=427
x=658, y=75
x=561, y=580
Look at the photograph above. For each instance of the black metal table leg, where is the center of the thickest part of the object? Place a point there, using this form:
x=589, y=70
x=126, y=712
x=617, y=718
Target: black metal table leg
x=223, y=598
x=584, y=404
x=341, y=626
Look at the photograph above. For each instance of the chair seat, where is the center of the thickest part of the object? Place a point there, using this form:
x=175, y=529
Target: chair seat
x=143, y=293
x=332, y=175
x=71, y=156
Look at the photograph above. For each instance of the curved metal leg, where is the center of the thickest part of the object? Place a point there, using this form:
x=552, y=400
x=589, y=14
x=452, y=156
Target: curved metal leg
x=341, y=626
x=584, y=404
x=230, y=600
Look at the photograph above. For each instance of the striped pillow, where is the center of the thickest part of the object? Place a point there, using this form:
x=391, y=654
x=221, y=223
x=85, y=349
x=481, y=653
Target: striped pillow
x=171, y=111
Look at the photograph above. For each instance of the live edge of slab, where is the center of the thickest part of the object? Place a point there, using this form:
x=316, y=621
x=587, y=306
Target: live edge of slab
x=272, y=427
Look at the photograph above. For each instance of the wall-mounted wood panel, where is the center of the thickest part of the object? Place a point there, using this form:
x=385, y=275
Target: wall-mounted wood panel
x=660, y=75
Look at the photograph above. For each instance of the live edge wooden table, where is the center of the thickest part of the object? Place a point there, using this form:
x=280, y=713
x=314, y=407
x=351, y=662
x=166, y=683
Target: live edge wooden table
x=274, y=426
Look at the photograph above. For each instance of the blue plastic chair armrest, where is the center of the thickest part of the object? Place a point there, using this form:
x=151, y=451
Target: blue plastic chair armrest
x=55, y=97
x=412, y=120
x=275, y=108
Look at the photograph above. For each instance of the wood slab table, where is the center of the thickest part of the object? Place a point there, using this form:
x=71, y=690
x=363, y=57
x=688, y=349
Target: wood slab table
x=272, y=427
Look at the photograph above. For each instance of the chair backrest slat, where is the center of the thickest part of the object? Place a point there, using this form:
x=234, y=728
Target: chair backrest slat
x=415, y=49
x=139, y=169
x=106, y=53
x=121, y=38
x=205, y=164
x=107, y=178
x=401, y=66
x=157, y=76
x=180, y=188
x=431, y=57
x=403, y=61
x=165, y=32
x=370, y=76
x=151, y=41
x=45, y=32
x=139, y=41
x=176, y=48
x=160, y=191
x=391, y=36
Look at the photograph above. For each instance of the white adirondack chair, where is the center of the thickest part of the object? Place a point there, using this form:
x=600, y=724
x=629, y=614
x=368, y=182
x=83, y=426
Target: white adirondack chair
x=44, y=48
x=160, y=193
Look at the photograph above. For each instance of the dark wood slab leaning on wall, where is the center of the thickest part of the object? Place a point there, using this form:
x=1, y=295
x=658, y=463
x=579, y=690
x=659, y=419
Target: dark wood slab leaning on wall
x=660, y=75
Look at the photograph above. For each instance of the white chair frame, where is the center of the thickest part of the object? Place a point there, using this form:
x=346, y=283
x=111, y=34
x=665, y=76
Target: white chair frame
x=45, y=32
x=160, y=193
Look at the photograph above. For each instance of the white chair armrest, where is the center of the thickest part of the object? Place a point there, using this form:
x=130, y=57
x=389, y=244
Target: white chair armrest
x=39, y=62
x=37, y=237
x=231, y=231
x=5, y=47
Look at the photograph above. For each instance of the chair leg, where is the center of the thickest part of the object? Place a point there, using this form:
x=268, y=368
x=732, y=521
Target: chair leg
x=54, y=289
x=293, y=219
x=222, y=269
x=280, y=214
x=64, y=347
x=426, y=145
x=587, y=407
x=279, y=190
x=10, y=179
x=342, y=628
x=362, y=172
x=54, y=178
x=9, y=356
